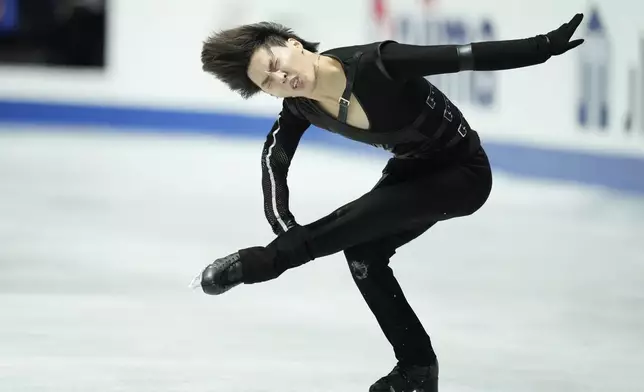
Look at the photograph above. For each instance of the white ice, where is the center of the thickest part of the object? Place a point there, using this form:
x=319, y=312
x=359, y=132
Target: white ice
x=100, y=235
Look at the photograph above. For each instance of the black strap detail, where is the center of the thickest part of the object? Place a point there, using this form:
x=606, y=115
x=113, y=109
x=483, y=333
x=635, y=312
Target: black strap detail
x=346, y=95
x=434, y=141
x=459, y=135
x=379, y=63
x=406, y=135
x=410, y=133
x=418, y=122
x=465, y=57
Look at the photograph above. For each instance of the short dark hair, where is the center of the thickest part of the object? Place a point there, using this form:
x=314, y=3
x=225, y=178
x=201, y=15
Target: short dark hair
x=226, y=54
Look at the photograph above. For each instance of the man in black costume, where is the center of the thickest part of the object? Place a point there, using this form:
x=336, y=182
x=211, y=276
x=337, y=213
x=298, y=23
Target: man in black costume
x=378, y=94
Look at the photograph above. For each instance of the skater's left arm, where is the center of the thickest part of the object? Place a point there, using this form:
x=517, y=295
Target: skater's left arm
x=403, y=61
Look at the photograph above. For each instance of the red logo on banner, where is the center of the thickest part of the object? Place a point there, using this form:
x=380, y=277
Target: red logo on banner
x=379, y=10
x=382, y=15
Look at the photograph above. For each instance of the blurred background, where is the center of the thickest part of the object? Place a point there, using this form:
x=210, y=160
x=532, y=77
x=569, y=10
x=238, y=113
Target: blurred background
x=124, y=170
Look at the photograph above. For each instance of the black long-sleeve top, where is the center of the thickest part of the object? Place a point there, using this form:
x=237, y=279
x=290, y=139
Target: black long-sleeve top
x=391, y=87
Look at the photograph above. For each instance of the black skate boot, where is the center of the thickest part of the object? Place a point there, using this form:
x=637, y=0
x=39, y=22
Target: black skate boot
x=220, y=276
x=409, y=379
x=249, y=265
x=256, y=264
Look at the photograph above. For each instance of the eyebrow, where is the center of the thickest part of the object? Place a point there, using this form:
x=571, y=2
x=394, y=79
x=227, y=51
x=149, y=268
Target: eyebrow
x=271, y=61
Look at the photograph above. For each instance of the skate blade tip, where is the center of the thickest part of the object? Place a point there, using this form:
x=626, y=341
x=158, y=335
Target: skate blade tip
x=195, y=283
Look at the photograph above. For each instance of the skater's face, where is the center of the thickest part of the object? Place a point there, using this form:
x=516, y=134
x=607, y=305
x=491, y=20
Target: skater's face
x=284, y=71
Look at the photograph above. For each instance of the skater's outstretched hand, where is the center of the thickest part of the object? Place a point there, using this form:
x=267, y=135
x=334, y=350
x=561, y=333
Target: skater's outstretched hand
x=560, y=38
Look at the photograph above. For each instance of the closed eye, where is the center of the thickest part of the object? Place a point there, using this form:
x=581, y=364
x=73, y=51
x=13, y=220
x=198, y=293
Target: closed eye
x=271, y=68
x=272, y=64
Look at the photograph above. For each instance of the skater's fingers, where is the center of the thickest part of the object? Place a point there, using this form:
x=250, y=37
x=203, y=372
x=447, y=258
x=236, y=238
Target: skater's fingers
x=575, y=43
x=576, y=20
x=574, y=23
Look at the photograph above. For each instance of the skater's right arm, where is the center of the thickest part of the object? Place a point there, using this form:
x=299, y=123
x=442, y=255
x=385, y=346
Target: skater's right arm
x=279, y=149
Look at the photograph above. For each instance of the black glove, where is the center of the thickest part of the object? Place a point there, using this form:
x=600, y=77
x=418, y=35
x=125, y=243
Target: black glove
x=559, y=40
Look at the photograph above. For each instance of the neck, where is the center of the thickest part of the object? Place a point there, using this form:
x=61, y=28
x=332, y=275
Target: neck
x=329, y=80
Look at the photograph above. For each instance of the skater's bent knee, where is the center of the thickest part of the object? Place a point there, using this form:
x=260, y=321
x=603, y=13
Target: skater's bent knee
x=370, y=253
x=366, y=260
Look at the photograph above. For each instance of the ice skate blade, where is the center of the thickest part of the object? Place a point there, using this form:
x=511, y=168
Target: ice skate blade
x=196, y=282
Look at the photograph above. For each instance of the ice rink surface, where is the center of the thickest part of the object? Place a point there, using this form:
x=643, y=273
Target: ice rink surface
x=541, y=290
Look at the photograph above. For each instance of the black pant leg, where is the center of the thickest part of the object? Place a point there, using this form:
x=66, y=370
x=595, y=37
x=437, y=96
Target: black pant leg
x=421, y=193
x=412, y=193
x=374, y=278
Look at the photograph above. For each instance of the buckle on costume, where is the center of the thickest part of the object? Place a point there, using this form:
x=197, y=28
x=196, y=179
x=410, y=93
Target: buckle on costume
x=343, y=101
x=462, y=130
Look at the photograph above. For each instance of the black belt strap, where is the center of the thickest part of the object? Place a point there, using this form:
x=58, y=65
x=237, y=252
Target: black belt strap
x=346, y=95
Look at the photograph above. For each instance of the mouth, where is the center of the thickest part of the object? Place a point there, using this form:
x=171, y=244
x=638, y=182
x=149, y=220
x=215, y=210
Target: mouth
x=295, y=83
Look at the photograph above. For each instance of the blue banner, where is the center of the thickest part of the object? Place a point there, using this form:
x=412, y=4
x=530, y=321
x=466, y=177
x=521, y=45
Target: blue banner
x=8, y=15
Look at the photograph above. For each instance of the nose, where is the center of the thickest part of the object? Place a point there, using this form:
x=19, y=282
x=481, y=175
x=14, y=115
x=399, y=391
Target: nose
x=280, y=76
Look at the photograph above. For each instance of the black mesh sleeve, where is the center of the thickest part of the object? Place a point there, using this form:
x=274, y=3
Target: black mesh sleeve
x=278, y=152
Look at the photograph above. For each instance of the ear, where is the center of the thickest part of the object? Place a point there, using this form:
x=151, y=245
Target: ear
x=295, y=43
